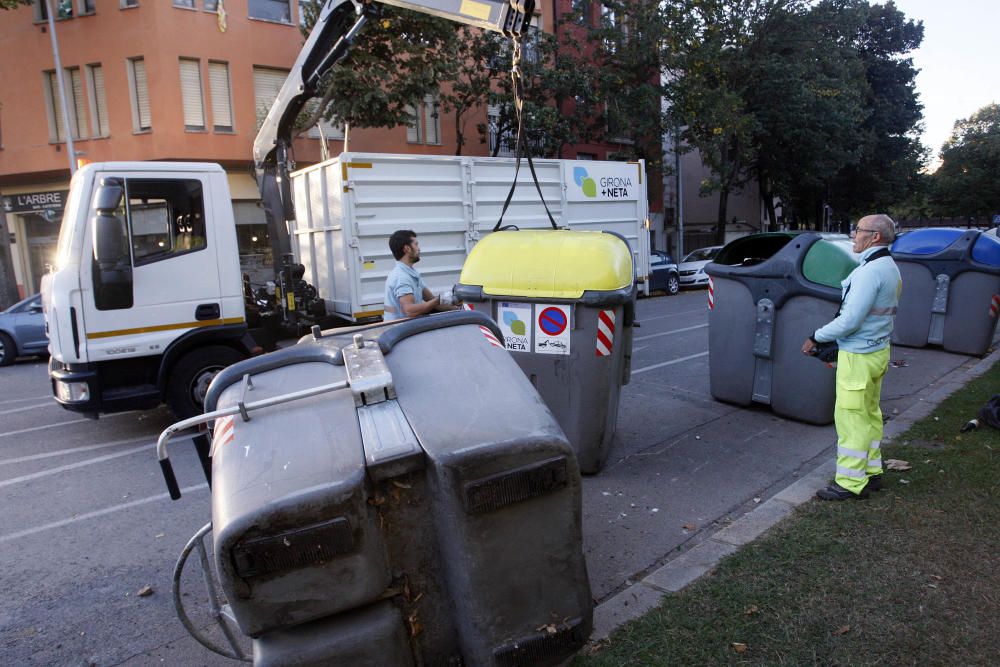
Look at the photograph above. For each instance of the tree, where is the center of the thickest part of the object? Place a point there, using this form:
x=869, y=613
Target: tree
x=709, y=49
x=890, y=149
x=805, y=91
x=400, y=58
x=13, y=4
x=624, y=72
x=478, y=61
x=966, y=184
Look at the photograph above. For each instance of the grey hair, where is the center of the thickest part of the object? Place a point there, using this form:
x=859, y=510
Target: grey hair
x=882, y=224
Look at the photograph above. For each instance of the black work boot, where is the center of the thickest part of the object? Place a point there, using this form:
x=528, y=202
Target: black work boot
x=874, y=483
x=837, y=492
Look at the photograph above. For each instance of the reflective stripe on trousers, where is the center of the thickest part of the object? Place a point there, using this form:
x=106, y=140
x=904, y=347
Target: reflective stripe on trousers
x=858, y=417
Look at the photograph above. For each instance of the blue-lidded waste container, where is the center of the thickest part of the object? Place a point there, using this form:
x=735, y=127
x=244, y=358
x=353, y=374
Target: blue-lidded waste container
x=951, y=289
x=768, y=293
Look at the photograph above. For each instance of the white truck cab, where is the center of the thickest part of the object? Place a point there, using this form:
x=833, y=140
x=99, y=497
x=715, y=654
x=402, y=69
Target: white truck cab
x=145, y=302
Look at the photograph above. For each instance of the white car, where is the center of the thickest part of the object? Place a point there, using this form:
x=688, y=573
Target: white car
x=692, y=269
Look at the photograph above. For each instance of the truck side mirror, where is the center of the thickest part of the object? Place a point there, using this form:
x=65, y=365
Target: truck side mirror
x=109, y=195
x=109, y=234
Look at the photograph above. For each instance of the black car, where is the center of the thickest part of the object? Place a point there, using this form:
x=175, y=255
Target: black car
x=663, y=273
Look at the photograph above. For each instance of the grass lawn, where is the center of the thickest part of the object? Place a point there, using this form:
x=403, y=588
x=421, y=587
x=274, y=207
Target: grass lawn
x=909, y=577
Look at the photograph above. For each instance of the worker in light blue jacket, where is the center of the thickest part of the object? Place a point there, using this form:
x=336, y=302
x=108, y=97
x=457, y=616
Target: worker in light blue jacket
x=862, y=329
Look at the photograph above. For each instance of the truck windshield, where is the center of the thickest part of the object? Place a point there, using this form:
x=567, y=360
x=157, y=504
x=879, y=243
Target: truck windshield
x=67, y=226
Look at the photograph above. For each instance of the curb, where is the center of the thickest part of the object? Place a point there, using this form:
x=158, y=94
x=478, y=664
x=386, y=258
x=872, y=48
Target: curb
x=689, y=566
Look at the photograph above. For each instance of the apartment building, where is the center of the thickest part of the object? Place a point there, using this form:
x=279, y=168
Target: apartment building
x=162, y=80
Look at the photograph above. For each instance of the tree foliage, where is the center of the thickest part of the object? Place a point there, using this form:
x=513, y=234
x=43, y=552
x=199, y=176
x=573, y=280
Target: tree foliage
x=814, y=100
x=13, y=4
x=399, y=58
x=966, y=184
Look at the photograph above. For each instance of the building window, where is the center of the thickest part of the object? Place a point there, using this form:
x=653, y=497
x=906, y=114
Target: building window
x=329, y=130
x=270, y=10
x=222, y=103
x=211, y=5
x=78, y=109
x=581, y=8
x=192, y=97
x=65, y=9
x=74, y=105
x=129, y=3
x=267, y=82
x=425, y=128
x=98, y=101
x=139, y=90
x=188, y=4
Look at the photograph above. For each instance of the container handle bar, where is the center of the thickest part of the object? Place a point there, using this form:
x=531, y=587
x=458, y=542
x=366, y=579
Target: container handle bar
x=174, y=429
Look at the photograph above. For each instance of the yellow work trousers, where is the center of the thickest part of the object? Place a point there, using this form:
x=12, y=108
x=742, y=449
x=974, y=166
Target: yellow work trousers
x=858, y=417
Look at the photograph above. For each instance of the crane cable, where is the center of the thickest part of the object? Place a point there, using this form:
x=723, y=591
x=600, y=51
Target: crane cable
x=522, y=148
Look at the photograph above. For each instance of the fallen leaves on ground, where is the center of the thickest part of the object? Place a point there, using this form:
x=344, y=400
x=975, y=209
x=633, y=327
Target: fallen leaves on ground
x=898, y=464
x=739, y=648
x=690, y=526
x=841, y=631
x=751, y=610
x=145, y=591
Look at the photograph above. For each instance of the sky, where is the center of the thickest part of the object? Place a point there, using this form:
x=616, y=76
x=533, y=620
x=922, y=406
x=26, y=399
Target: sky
x=959, y=61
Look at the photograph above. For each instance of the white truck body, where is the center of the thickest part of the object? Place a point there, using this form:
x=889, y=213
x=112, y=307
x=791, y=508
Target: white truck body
x=347, y=208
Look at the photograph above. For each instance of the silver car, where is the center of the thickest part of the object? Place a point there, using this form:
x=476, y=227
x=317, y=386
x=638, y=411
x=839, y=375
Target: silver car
x=22, y=330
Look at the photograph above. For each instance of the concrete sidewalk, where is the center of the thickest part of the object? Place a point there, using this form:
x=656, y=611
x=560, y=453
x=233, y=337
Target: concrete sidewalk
x=687, y=566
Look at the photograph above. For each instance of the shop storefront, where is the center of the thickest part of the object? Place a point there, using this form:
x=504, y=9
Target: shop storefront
x=33, y=219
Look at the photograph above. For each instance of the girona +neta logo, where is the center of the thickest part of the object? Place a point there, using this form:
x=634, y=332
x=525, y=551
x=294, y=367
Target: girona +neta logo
x=587, y=184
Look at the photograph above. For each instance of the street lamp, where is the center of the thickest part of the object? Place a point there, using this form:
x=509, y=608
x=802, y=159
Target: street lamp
x=62, y=87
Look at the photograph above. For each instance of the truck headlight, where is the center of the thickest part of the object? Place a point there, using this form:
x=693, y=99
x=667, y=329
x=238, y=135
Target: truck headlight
x=72, y=392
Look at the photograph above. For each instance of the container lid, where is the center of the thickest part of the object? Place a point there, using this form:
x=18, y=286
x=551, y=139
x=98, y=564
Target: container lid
x=557, y=264
x=829, y=261
x=926, y=241
x=987, y=250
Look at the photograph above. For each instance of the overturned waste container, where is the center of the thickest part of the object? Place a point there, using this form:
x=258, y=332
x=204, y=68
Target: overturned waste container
x=397, y=494
x=565, y=303
x=768, y=293
x=951, y=289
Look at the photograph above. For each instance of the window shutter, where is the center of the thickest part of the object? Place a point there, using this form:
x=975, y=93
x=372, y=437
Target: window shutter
x=218, y=83
x=267, y=84
x=57, y=114
x=79, y=126
x=100, y=106
x=191, y=95
x=141, y=94
x=413, y=129
x=432, y=119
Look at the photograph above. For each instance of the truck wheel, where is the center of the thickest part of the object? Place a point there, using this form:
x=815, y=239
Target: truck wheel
x=189, y=379
x=673, y=284
x=8, y=351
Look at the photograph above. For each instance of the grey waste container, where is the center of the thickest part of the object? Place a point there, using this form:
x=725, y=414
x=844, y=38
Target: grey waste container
x=951, y=289
x=428, y=513
x=565, y=303
x=768, y=293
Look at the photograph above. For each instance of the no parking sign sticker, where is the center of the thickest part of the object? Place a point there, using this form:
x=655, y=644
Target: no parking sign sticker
x=552, y=329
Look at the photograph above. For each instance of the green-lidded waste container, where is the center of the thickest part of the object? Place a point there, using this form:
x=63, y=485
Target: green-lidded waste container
x=425, y=508
x=951, y=289
x=768, y=293
x=565, y=303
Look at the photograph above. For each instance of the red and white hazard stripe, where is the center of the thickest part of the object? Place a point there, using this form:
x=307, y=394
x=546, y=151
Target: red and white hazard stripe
x=711, y=293
x=605, y=333
x=225, y=433
x=468, y=306
x=994, y=306
x=490, y=336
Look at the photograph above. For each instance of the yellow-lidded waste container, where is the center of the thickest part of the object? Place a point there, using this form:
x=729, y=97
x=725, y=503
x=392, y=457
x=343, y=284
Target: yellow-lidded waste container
x=565, y=302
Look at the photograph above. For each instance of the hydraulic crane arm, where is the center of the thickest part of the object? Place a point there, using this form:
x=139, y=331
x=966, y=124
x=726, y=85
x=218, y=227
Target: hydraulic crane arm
x=335, y=30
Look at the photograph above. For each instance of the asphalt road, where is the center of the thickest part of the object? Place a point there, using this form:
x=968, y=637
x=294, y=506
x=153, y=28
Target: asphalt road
x=86, y=523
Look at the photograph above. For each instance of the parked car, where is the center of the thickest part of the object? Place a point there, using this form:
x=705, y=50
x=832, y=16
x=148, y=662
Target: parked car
x=663, y=273
x=692, y=268
x=22, y=330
